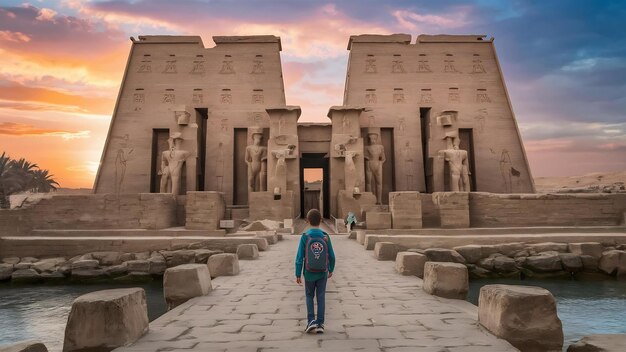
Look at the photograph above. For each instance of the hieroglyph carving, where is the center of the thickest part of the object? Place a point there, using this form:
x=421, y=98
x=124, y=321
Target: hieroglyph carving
x=449, y=66
x=375, y=158
x=370, y=66
x=398, y=97
x=257, y=67
x=226, y=98
x=172, y=162
x=454, y=96
x=426, y=97
x=478, y=67
x=170, y=66
x=370, y=97
x=482, y=96
x=227, y=67
x=197, y=98
x=198, y=67
x=258, y=98
x=401, y=126
x=138, y=100
x=423, y=66
x=169, y=98
x=481, y=119
x=397, y=66
x=145, y=66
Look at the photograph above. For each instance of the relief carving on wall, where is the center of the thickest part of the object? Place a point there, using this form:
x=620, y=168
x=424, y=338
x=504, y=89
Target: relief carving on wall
x=482, y=96
x=169, y=98
x=145, y=66
x=397, y=66
x=258, y=98
x=138, y=100
x=423, y=66
x=426, y=96
x=398, y=96
x=409, y=166
x=454, y=96
x=478, y=67
x=226, y=97
x=198, y=67
x=123, y=155
x=370, y=66
x=370, y=97
x=449, y=66
x=480, y=119
x=227, y=67
x=197, y=98
x=401, y=126
x=508, y=172
x=257, y=67
x=170, y=66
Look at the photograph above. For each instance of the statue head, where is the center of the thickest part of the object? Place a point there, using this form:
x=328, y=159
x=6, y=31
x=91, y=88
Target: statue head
x=182, y=117
x=175, y=139
x=257, y=138
x=456, y=143
x=373, y=137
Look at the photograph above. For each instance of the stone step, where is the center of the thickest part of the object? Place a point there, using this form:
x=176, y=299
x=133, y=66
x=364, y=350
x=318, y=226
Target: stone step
x=44, y=246
x=500, y=230
x=169, y=232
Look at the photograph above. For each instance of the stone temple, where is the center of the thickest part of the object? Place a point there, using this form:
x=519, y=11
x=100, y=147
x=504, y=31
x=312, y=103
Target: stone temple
x=428, y=116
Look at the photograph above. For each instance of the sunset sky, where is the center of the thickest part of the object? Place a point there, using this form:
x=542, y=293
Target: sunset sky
x=61, y=63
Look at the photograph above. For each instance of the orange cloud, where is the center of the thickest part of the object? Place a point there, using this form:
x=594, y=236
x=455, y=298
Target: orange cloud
x=54, y=98
x=20, y=129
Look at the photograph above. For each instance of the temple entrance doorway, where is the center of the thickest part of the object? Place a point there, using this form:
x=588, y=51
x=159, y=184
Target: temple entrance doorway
x=315, y=183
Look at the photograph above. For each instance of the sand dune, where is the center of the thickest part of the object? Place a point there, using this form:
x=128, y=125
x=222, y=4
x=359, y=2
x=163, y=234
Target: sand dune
x=599, y=179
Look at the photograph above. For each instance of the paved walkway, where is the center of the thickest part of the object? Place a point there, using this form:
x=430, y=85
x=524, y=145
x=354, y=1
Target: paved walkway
x=368, y=308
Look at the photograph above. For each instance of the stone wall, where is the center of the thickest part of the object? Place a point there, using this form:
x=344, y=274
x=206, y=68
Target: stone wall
x=93, y=211
x=496, y=210
x=204, y=210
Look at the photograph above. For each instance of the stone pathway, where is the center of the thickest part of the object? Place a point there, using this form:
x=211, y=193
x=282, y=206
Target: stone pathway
x=369, y=307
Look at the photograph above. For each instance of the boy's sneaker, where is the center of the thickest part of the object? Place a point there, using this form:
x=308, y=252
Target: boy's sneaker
x=311, y=327
x=320, y=329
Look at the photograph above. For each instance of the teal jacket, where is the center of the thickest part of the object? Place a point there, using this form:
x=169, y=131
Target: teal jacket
x=310, y=276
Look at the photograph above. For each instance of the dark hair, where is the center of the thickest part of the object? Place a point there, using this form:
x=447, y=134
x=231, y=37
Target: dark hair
x=314, y=217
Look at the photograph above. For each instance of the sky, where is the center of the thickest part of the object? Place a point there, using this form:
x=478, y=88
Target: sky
x=564, y=62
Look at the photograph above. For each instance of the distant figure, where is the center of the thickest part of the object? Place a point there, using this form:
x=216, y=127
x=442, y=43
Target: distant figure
x=350, y=221
x=375, y=157
x=316, y=257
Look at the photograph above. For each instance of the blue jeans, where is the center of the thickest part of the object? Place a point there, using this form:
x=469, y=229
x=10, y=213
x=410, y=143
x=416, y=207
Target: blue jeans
x=315, y=288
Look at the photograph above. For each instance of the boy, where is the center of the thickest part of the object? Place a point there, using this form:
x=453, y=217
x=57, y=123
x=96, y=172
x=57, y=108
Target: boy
x=315, y=255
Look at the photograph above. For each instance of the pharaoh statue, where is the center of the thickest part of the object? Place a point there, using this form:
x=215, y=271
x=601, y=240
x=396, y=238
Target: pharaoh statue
x=375, y=158
x=172, y=162
x=256, y=158
x=458, y=164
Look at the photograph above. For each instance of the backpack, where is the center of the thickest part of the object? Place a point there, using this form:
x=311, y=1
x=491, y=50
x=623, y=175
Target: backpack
x=316, y=254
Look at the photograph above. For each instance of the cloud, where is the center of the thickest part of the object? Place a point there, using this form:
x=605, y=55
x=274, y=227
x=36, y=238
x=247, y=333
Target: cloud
x=19, y=129
x=415, y=21
x=16, y=37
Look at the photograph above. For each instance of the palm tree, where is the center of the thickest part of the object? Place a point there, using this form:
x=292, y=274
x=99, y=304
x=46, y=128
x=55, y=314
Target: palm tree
x=22, y=175
x=10, y=180
x=43, y=181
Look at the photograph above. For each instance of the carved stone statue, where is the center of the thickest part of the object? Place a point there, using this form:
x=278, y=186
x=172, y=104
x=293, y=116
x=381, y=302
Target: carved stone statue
x=375, y=158
x=350, y=171
x=172, y=162
x=256, y=158
x=458, y=164
x=280, y=173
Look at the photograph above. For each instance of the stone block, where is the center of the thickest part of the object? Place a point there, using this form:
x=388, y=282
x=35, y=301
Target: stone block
x=411, y=263
x=352, y=235
x=453, y=209
x=247, y=251
x=203, y=255
x=590, y=264
x=85, y=264
x=504, y=264
x=378, y=220
x=471, y=252
x=11, y=260
x=406, y=210
x=176, y=258
x=184, y=282
x=264, y=206
x=204, y=210
x=360, y=237
x=5, y=271
x=599, y=343
x=444, y=255
x=448, y=280
x=122, y=318
x=593, y=249
x=547, y=262
x=142, y=266
x=346, y=203
x=525, y=316
x=385, y=251
x=107, y=258
x=224, y=264
x=24, y=346
x=48, y=264
x=25, y=276
x=548, y=247
x=571, y=262
x=613, y=262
